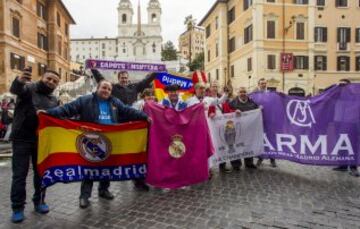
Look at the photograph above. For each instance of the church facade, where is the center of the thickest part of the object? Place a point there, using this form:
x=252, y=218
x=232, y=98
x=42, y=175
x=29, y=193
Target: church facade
x=136, y=41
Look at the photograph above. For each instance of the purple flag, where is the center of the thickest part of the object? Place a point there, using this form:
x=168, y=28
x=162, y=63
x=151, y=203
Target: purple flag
x=319, y=130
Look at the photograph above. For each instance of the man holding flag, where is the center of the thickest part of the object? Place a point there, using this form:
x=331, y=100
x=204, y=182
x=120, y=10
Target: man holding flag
x=99, y=107
x=128, y=94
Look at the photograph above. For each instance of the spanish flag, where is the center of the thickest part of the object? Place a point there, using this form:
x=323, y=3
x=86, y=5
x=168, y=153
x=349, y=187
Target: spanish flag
x=70, y=151
x=164, y=79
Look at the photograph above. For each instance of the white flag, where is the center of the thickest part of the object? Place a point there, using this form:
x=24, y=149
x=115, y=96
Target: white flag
x=236, y=137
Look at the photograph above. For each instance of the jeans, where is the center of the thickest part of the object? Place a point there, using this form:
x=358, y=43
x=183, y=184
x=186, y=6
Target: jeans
x=22, y=153
x=86, y=187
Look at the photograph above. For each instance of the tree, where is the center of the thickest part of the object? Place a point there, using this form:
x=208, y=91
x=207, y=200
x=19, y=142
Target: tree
x=197, y=63
x=168, y=52
x=189, y=22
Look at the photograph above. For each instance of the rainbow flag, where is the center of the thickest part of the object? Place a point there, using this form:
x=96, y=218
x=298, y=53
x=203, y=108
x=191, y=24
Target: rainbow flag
x=163, y=79
x=70, y=151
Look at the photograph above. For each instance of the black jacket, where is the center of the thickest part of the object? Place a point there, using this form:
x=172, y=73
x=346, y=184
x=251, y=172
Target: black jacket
x=29, y=99
x=129, y=94
x=87, y=107
x=235, y=104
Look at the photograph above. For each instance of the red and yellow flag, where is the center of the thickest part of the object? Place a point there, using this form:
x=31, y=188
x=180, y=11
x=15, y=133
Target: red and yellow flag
x=73, y=151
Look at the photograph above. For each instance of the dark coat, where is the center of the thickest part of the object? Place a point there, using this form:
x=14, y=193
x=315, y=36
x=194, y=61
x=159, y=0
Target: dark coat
x=87, y=108
x=129, y=94
x=29, y=99
x=235, y=104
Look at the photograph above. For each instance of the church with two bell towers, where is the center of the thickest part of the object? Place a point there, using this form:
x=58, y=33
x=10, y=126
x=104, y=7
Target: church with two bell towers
x=135, y=41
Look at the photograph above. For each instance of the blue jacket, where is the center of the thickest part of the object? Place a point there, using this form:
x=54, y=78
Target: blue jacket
x=179, y=106
x=87, y=108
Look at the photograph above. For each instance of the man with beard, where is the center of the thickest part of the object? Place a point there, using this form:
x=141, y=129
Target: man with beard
x=240, y=104
x=123, y=90
x=99, y=107
x=31, y=97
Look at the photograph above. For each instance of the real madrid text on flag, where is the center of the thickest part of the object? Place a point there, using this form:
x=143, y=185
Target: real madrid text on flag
x=237, y=137
x=164, y=79
x=179, y=146
x=73, y=151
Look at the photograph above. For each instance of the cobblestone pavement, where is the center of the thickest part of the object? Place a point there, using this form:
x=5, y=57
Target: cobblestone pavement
x=291, y=196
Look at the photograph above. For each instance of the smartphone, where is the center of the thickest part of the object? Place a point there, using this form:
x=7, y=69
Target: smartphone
x=28, y=69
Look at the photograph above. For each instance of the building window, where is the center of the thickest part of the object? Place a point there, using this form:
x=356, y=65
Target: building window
x=67, y=29
x=300, y=30
x=59, y=45
x=343, y=63
x=16, y=27
x=209, y=75
x=58, y=19
x=357, y=63
x=247, y=4
x=248, y=34
x=154, y=48
x=302, y=2
x=320, y=2
x=124, y=47
x=217, y=74
x=17, y=62
x=208, y=31
x=42, y=69
x=231, y=15
x=217, y=49
x=270, y=30
x=65, y=51
x=41, y=10
x=357, y=35
x=249, y=64
x=103, y=46
x=271, y=62
x=124, y=18
x=320, y=63
x=270, y=0
x=320, y=34
x=301, y=62
x=42, y=41
x=216, y=22
x=343, y=37
x=153, y=18
x=208, y=55
x=232, y=45
x=232, y=71
x=341, y=3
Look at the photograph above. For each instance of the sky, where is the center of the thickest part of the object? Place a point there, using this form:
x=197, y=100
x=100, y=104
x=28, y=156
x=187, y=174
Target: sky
x=99, y=18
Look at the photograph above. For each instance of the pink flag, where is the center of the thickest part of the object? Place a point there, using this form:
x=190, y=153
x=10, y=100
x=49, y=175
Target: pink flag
x=179, y=146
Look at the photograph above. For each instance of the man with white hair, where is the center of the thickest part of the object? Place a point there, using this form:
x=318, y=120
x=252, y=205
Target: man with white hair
x=200, y=97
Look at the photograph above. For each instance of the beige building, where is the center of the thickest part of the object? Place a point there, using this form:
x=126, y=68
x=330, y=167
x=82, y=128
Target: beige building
x=245, y=40
x=33, y=33
x=192, y=41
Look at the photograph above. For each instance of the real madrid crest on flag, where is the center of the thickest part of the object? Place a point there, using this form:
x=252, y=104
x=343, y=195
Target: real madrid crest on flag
x=93, y=147
x=177, y=148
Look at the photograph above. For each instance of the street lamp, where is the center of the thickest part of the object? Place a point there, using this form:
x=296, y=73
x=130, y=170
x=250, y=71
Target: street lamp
x=249, y=82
